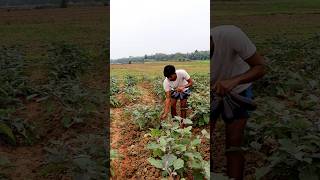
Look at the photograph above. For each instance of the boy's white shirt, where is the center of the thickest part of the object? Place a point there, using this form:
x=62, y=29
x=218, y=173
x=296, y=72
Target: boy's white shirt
x=231, y=48
x=182, y=77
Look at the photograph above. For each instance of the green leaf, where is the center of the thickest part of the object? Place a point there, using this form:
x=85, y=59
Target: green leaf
x=197, y=175
x=178, y=118
x=50, y=107
x=308, y=160
x=187, y=121
x=31, y=97
x=6, y=130
x=196, y=164
x=218, y=176
x=185, y=131
x=287, y=145
x=67, y=122
x=261, y=172
x=255, y=145
x=169, y=159
x=178, y=164
x=78, y=120
x=153, y=146
x=195, y=142
x=42, y=99
x=155, y=163
x=205, y=134
x=180, y=147
x=157, y=153
x=190, y=155
x=185, y=141
x=299, y=156
x=197, y=155
x=155, y=132
x=114, y=154
x=206, y=169
x=308, y=174
x=162, y=141
x=301, y=124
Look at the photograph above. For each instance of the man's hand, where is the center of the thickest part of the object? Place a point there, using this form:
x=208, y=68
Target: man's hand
x=179, y=89
x=164, y=116
x=225, y=86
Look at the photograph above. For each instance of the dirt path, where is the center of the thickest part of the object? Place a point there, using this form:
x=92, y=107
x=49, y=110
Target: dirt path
x=25, y=160
x=130, y=142
x=147, y=96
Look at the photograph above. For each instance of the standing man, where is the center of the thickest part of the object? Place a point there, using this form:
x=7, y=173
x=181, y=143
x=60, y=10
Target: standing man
x=235, y=64
x=176, y=86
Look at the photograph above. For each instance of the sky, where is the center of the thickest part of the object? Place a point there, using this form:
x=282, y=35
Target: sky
x=139, y=27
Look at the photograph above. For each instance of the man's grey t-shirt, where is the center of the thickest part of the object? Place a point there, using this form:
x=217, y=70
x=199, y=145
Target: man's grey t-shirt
x=231, y=48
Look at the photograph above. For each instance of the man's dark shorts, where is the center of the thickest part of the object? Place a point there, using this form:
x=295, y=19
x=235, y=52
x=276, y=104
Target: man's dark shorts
x=180, y=95
x=239, y=113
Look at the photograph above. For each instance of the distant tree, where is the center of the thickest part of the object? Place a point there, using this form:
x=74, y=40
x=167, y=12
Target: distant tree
x=64, y=4
x=196, y=55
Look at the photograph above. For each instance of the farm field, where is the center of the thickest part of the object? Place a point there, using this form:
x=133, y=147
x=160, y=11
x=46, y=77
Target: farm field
x=154, y=69
x=268, y=19
x=140, y=149
x=52, y=91
x=282, y=134
x=34, y=29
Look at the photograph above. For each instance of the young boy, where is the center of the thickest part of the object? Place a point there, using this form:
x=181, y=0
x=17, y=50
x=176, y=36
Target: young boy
x=176, y=86
x=234, y=65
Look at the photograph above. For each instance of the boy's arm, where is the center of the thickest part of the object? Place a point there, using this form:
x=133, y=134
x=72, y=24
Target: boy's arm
x=256, y=71
x=167, y=105
x=190, y=82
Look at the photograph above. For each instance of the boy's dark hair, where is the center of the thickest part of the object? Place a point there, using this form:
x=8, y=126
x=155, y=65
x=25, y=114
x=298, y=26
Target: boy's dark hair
x=169, y=70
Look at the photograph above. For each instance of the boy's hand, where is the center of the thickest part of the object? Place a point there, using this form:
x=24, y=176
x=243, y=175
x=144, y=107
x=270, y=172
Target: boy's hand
x=225, y=86
x=179, y=89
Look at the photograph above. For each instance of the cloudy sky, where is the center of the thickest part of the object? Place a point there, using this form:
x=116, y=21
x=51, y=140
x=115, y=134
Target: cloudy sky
x=140, y=27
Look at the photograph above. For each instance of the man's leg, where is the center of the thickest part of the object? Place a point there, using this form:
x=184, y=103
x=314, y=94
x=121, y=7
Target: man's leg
x=173, y=107
x=235, y=158
x=183, y=108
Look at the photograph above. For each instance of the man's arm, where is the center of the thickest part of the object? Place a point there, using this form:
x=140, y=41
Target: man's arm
x=167, y=105
x=257, y=70
x=190, y=83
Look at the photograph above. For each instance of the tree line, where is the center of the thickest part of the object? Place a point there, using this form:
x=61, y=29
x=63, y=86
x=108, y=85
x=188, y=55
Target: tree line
x=196, y=55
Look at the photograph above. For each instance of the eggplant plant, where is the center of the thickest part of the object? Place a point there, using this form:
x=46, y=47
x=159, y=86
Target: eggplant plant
x=175, y=150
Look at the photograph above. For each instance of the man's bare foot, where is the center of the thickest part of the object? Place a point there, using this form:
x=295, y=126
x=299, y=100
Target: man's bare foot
x=182, y=125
